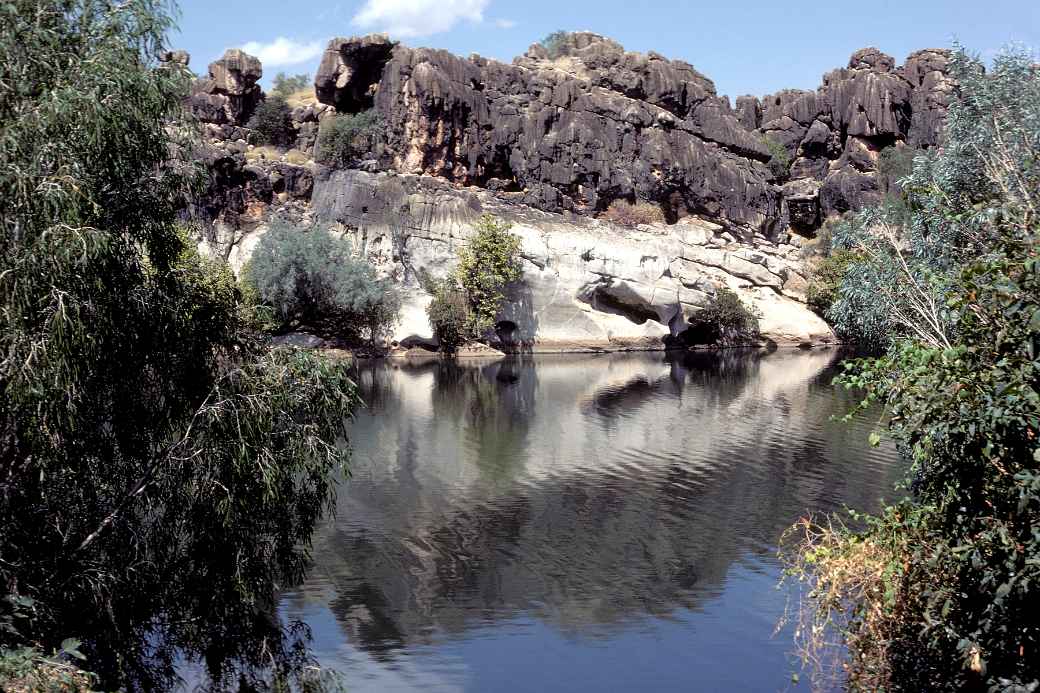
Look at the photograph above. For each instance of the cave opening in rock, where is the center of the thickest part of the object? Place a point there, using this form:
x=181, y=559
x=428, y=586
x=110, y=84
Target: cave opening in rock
x=607, y=303
x=507, y=331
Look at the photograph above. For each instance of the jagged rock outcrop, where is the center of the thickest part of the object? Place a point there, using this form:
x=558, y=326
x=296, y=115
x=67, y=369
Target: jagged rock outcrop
x=550, y=141
x=230, y=93
x=835, y=134
x=572, y=133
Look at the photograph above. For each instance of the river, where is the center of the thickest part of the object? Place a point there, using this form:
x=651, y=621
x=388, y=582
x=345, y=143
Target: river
x=580, y=522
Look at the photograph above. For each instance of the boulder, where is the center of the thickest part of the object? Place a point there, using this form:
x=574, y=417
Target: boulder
x=230, y=93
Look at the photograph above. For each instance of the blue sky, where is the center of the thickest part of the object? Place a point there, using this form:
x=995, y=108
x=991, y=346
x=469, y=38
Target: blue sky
x=745, y=46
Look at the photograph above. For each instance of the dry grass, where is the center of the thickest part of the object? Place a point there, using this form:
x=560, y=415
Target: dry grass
x=625, y=213
x=303, y=97
x=849, y=602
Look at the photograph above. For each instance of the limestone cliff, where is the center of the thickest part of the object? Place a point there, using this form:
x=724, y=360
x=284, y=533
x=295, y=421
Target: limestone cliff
x=548, y=142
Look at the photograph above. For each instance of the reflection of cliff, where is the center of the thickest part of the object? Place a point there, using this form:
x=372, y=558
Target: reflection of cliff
x=584, y=491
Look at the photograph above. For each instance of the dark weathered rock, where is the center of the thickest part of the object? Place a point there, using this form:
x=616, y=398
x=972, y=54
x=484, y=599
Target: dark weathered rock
x=349, y=69
x=574, y=133
x=837, y=132
x=230, y=93
x=928, y=72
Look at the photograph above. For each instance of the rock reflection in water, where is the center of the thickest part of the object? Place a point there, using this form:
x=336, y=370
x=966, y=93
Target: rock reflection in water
x=595, y=496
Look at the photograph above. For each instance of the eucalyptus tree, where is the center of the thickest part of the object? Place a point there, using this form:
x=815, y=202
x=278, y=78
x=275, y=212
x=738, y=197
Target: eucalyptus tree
x=161, y=471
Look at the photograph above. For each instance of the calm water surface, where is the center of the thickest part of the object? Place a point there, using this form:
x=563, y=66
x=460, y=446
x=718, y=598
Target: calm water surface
x=579, y=523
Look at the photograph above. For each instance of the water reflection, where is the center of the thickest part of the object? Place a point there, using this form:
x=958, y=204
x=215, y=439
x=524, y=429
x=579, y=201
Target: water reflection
x=578, y=506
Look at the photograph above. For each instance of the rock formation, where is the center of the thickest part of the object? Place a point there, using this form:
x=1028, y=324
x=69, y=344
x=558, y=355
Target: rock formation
x=575, y=133
x=834, y=134
x=230, y=93
x=548, y=142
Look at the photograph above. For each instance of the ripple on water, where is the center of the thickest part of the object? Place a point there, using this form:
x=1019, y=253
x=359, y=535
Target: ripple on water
x=573, y=523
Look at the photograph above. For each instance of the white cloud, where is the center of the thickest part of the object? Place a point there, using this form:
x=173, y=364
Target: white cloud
x=505, y=23
x=408, y=18
x=283, y=51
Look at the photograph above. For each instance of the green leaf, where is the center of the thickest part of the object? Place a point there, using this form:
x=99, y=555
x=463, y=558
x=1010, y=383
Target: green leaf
x=70, y=646
x=874, y=439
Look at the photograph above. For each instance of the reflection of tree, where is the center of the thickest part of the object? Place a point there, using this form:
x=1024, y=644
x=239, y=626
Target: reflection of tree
x=598, y=525
x=493, y=403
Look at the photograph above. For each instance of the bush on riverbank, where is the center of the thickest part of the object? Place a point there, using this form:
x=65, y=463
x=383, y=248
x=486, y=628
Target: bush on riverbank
x=161, y=471
x=308, y=276
x=934, y=593
x=725, y=321
x=465, y=305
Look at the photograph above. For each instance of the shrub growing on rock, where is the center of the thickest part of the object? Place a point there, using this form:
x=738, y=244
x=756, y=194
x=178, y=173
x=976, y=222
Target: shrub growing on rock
x=825, y=277
x=488, y=263
x=465, y=305
x=344, y=139
x=449, y=315
x=725, y=321
x=779, y=159
x=625, y=213
x=309, y=276
x=272, y=122
x=555, y=43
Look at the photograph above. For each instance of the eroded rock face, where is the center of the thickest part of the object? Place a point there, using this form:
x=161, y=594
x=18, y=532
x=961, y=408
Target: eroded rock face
x=230, y=93
x=834, y=134
x=586, y=283
x=575, y=133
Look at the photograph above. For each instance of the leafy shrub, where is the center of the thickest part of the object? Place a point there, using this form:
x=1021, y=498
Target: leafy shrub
x=345, y=138
x=309, y=276
x=955, y=296
x=825, y=277
x=489, y=262
x=272, y=122
x=449, y=315
x=779, y=159
x=555, y=43
x=284, y=86
x=465, y=305
x=725, y=321
x=625, y=213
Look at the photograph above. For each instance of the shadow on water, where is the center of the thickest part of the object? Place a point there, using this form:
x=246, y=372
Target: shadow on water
x=579, y=505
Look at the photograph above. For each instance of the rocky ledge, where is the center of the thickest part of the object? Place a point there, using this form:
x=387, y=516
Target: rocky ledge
x=587, y=284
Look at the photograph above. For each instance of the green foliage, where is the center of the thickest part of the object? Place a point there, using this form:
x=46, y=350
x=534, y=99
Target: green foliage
x=489, y=262
x=779, y=159
x=825, y=279
x=272, y=122
x=555, y=43
x=465, y=305
x=345, y=138
x=912, y=256
x=948, y=608
x=27, y=670
x=725, y=321
x=310, y=276
x=628, y=214
x=160, y=472
x=449, y=315
x=284, y=86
